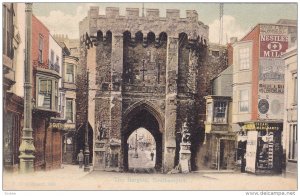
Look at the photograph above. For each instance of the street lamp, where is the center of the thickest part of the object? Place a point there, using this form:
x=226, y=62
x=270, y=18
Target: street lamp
x=27, y=147
x=86, y=145
x=136, y=143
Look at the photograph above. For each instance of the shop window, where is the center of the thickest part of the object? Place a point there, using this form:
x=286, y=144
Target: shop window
x=220, y=110
x=70, y=73
x=244, y=101
x=40, y=52
x=293, y=142
x=69, y=109
x=244, y=58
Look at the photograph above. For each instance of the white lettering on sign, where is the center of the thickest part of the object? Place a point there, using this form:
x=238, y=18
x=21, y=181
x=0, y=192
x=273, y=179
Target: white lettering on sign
x=274, y=38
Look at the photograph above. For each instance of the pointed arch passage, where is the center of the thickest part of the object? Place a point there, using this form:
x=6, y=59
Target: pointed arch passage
x=142, y=117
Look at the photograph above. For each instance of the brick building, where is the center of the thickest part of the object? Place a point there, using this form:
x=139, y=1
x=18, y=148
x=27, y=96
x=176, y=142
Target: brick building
x=46, y=61
x=258, y=94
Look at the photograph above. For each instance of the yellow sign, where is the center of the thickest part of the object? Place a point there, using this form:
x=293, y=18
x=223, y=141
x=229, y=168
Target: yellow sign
x=57, y=125
x=262, y=126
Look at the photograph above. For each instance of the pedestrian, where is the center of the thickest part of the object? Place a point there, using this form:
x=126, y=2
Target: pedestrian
x=80, y=158
x=243, y=164
x=152, y=155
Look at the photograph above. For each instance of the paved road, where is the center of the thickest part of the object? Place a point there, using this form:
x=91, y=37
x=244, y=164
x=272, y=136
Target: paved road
x=73, y=178
x=142, y=162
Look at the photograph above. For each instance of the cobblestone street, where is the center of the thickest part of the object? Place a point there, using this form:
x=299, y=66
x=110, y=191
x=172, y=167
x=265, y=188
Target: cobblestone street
x=73, y=178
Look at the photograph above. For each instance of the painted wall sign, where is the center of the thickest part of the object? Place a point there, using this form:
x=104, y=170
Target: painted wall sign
x=273, y=46
x=273, y=29
x=271, y=70
x=274, y=40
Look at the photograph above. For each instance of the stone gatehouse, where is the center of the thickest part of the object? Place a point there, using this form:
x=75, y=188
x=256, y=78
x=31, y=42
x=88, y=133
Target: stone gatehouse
x=142, y=73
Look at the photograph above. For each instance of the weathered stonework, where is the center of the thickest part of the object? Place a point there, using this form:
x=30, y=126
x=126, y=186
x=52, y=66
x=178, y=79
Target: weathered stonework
x=146, y=71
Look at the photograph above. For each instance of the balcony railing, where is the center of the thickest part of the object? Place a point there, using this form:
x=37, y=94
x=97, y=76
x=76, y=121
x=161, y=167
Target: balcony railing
x=292, y=114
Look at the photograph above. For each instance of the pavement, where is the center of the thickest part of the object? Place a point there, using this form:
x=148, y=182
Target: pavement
x=141, y=164
x=70, y=177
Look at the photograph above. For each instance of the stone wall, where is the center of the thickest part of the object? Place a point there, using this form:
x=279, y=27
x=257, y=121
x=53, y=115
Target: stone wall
x=162, y=63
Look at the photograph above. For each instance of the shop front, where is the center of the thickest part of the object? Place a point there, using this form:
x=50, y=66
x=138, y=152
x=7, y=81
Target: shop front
x=263, y=148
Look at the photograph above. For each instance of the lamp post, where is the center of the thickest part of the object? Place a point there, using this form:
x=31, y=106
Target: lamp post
x=136, y=155
x=27, y=148
x=86, y=144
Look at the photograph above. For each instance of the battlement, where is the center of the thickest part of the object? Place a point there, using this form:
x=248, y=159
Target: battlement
x=173, y=14
x=114, y=12
x=132, y=12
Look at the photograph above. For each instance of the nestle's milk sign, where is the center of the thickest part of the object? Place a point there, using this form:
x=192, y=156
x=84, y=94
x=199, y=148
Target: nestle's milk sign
x=274, y=41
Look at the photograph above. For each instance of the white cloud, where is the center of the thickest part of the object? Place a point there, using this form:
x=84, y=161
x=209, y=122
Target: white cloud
x=230, y=28
x=59, y=22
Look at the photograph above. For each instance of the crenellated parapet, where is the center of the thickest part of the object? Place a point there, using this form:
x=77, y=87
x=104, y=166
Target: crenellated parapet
x=132, y=22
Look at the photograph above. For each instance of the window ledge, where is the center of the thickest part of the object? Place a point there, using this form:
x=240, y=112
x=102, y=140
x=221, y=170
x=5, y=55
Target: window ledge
x=292, y=161
x=39, y=109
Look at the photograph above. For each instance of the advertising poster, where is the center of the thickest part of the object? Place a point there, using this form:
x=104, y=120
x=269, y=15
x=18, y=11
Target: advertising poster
x=273, y=42
x=251, y=149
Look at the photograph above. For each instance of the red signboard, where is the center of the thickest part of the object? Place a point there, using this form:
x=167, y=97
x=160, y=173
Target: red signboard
x=272, y=46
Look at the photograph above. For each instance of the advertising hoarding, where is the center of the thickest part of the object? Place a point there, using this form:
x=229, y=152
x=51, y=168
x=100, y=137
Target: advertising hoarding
x=274, y=41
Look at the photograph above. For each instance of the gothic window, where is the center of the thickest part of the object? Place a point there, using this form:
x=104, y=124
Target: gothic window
x=244, y=58
x=244, y=101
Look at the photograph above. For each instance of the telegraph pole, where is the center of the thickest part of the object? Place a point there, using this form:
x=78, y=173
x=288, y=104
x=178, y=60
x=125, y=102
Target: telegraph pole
x=27, y=148
x=221, y=23
x=86, y=146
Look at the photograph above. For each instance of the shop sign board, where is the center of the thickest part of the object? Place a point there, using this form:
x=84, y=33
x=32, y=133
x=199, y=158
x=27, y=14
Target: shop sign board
x=262, y=126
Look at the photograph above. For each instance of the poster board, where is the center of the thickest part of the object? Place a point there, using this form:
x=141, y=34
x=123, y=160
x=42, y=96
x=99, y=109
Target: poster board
x=251, y=151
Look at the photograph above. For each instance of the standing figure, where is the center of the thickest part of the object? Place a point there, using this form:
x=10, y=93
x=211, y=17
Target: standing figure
x=80, y=158
x=152, y=155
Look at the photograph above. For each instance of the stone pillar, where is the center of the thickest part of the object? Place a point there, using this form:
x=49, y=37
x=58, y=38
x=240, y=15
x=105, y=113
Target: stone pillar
x=116, y=99
x=171, y=104
x=27, y=148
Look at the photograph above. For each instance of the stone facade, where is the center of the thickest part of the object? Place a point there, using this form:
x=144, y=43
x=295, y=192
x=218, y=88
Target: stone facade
x=149, y=72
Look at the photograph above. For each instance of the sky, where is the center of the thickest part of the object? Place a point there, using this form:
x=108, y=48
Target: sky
x=238, y=18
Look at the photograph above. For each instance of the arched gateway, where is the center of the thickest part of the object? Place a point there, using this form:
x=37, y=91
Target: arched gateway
x=142, y=73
